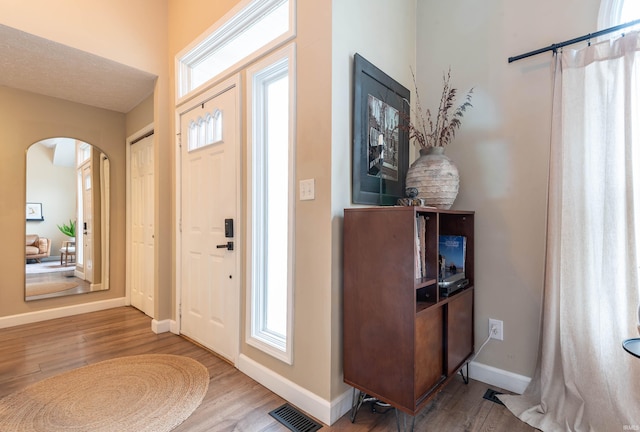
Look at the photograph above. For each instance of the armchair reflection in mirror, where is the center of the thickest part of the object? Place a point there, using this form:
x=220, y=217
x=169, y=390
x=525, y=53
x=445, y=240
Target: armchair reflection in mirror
x=71, y=179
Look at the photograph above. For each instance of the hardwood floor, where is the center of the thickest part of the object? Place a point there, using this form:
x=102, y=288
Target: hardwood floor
x=234, y=402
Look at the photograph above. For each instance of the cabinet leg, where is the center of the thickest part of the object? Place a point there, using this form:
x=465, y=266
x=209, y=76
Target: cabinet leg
x=401, y=422
x=356, y=402
x=359, y=398
x=462, y=374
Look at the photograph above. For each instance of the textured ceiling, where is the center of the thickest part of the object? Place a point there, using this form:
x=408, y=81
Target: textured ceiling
x=38, y=65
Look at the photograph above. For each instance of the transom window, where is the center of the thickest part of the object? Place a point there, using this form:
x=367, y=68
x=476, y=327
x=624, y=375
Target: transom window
x=256, y=27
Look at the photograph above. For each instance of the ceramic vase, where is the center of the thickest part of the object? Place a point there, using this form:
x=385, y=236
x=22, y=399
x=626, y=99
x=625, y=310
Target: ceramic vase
x=436, y=178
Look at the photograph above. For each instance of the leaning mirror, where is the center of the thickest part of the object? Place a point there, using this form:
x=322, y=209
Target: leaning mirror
x=67, y=219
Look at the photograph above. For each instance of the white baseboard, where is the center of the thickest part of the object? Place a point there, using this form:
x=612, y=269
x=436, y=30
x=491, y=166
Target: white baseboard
x=341, y=405
x=323, y=410
x=329, y=412
x=174, y=327
x=498, y=377
x=162, y=326
x=65, y=311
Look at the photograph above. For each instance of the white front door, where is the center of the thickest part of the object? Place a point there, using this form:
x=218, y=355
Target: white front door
x=87, y=221
x=210, y=194
x=142, y=225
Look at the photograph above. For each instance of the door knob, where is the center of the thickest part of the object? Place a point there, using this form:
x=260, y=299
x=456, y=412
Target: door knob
x=228, y=246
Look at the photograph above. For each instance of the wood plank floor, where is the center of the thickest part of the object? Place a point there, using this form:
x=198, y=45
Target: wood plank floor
x=234, y=402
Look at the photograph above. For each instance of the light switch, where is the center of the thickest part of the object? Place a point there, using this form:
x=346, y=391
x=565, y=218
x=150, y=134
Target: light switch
x=307, y=189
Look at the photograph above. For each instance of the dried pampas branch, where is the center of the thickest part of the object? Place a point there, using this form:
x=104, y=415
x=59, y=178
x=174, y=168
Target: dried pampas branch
x=423, y=131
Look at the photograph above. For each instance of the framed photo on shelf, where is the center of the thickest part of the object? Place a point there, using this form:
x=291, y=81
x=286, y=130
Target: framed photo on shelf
x=380, y=156
x=34, y=212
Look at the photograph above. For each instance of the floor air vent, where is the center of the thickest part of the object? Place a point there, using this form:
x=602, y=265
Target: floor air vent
x=490, y=394
x=294, y=419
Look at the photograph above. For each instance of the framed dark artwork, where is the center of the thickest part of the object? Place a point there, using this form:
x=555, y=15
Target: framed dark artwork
x=380, y=136
x=34, y=212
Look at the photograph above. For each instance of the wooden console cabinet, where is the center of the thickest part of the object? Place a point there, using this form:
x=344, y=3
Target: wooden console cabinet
x=402, y=340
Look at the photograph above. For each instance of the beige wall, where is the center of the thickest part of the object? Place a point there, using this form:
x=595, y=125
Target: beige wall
x=26, y=118
x=384, y=34
x=502, y=149
x=134, y=34
x=140, y=117
x=119, y=34
x=191, y=18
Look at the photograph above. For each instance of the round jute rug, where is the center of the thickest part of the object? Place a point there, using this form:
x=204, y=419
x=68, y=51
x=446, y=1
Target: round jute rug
x=42, y=288
x=154, y=392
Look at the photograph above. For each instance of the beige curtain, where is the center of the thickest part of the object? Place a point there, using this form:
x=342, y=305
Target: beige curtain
x=584, y=380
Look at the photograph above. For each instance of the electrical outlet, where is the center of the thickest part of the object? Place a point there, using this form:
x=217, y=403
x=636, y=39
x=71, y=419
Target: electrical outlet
x=496, y=325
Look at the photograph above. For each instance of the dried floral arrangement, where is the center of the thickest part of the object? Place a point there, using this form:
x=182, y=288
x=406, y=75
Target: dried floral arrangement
x=429, y=133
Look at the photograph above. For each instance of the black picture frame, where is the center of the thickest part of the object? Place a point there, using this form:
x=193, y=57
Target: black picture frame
x=380, y=120
x=34, y=211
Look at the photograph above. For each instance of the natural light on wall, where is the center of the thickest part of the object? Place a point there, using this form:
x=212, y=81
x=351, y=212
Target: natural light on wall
x=271, y=155
x=256, y=27
x=277, y=180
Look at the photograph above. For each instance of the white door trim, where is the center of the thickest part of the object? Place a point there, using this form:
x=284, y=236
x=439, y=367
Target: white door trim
x=210, y=93
x=128, y=253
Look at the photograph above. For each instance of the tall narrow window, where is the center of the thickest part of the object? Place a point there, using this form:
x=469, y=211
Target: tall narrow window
x=270, y=90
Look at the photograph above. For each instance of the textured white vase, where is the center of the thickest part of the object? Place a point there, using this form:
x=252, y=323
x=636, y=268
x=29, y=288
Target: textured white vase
x=436, y=178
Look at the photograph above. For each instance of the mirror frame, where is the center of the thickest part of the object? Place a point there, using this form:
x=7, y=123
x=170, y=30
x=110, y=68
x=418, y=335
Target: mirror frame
x=100, y=208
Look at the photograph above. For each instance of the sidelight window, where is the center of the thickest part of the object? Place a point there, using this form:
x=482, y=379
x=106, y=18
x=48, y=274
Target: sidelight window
x=271, y=202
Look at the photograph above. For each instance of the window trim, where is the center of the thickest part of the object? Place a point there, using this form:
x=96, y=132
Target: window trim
x=256, y=335
x=609, y=13
x=231, y=24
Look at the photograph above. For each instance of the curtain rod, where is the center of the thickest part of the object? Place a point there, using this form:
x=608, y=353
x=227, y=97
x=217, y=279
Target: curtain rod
x=554, y=47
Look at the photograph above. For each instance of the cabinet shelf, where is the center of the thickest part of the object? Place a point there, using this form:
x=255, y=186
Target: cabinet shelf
x=425, y=281
x=387, y=309
x=422, y=305
x=445, y=300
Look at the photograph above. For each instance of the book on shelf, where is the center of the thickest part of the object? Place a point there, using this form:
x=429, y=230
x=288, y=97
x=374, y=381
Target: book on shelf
x=418, y=249
x=452, y=252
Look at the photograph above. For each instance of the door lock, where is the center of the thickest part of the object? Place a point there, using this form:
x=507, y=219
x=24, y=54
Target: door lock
x=228, y=246
x=228, y=227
